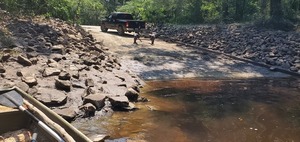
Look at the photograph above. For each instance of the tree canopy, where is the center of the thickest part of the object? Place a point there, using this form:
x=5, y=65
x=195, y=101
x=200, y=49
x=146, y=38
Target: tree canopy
x=160, y=11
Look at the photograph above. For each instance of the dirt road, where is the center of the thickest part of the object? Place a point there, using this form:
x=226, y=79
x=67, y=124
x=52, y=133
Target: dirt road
x=168, y=61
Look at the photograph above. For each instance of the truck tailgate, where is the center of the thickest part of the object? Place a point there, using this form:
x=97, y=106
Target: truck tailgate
x=136, y=24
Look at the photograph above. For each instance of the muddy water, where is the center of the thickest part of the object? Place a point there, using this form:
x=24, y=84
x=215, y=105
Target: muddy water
x=258, y=110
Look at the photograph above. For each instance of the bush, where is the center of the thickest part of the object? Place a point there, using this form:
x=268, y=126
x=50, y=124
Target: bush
x=5, y=39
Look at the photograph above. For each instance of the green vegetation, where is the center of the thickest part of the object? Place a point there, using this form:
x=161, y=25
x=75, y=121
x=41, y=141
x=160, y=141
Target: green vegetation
x=5, y=38
x=79, y=11
x=208, y=11
x=162, y=11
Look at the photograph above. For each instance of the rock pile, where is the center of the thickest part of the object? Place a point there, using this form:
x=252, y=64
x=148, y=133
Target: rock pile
x=65, y=68
x=275, y=48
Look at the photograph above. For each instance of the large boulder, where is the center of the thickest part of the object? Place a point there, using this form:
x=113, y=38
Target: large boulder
x=95, y=99
x=51, y=97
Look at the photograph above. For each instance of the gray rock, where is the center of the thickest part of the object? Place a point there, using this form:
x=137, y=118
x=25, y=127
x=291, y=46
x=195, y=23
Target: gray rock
x=63, y=85
x=132, y=95
x=34, y=60
x=98, y=137
x=30, y=80
x=75, y=74
x=64, y=75
x=297, y=65
x=67, y=113
x=3, y=75
x=96, y=99
x=286, y=65
x=24, y=61
x=51, y=72
x=52, y=63
x=114, y=89
x=2, y=69
x=58, y=49
x=89, y=109
x=119, y=102
x=89, y=62
x=21, y=73
x=97, y=67
x=30, y=49
x=32, y=91
x=5, y=57
x=8, y=84
x=89, y=82
x=294, y=69
x=23, y=86
x=89, y=91
x=56, y=57
x=32, y=55
x=77, y=84
x=50, y=96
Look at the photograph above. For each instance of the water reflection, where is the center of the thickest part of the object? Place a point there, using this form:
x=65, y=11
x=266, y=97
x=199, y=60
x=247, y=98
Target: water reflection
x=258, y=110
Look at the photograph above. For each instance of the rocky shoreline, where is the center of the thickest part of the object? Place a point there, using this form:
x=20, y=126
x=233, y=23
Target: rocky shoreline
x=64, y=67
x=277, y=49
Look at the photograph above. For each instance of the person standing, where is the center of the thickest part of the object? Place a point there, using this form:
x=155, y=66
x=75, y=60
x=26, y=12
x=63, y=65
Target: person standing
x=152, y=37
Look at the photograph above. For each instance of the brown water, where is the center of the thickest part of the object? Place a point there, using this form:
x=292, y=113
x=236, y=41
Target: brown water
x=258, y=110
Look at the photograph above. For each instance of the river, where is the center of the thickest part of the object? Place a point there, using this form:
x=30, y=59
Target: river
x=209, y=110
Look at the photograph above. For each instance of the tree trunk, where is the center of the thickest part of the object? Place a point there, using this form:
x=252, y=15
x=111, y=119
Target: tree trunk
x=263, y=9
x=239, y=9
x=225, y=12
x=277, y=21
x=196, y=12
x=276, y=12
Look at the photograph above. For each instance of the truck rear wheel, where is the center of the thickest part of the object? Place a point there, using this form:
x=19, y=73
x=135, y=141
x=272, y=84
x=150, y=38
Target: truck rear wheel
x=120, y=30
x=103, y=28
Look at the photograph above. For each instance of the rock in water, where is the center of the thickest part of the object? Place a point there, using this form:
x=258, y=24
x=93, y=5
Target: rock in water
x=67, y=113
x=132, y=95
x=96, y=99
x=119, y=102
x=88, y=109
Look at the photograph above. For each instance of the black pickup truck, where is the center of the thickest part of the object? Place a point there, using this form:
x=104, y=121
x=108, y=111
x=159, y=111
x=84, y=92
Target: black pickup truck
x=122, y=22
